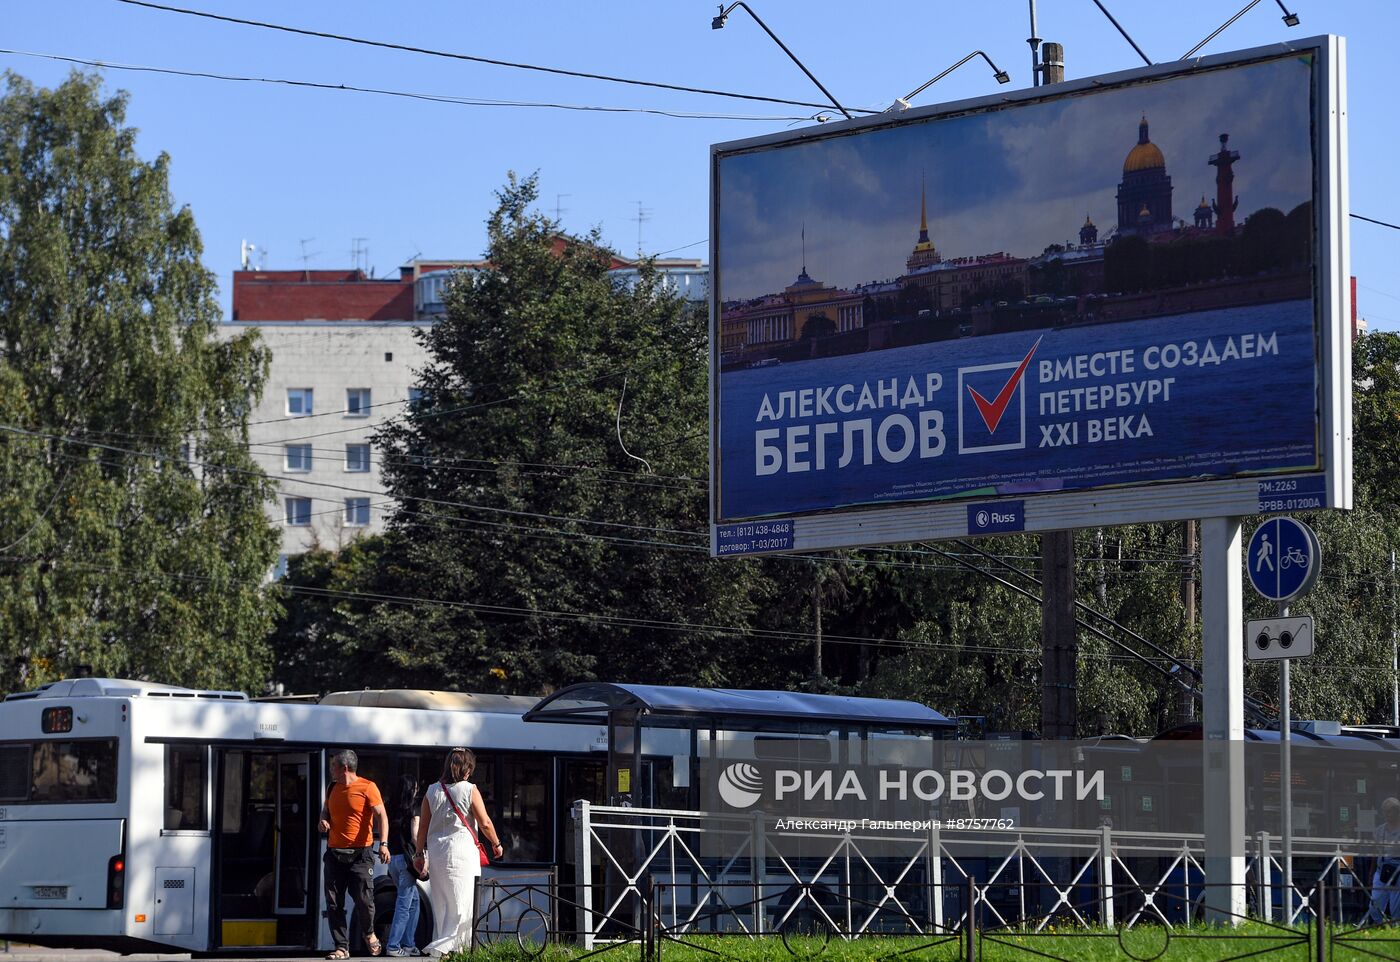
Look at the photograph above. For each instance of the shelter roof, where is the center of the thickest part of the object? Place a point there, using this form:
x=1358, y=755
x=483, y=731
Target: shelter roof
x=681, y=707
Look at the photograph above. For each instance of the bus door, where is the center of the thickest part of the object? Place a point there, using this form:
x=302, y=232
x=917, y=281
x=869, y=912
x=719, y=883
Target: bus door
x=266, y=871
x=293, y=832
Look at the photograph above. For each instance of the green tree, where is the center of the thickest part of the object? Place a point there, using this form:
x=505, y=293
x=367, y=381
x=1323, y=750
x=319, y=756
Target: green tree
x=561, y=452
x=319, y=643
x=973, y=644
x=146, y=565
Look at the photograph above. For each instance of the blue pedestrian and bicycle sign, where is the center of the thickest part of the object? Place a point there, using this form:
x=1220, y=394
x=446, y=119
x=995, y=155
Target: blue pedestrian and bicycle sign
x=1283, y=559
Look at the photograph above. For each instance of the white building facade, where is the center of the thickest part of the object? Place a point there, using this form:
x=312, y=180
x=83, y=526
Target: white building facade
x=331, y=384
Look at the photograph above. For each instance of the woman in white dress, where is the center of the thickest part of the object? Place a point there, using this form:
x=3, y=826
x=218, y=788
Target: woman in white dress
x=452, y=819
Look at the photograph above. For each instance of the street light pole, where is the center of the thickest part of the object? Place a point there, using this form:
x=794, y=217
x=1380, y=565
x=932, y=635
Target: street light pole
x=1394, y=652
x=1034, y=41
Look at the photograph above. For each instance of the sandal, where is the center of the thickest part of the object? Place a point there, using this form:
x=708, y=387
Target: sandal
x=339, y=954
x=375, y=948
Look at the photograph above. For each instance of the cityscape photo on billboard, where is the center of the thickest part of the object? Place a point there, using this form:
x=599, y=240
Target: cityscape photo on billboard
x=1114, y=287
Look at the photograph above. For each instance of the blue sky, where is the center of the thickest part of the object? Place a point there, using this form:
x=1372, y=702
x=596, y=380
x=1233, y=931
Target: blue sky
x=1013, y=180
x=276, y=165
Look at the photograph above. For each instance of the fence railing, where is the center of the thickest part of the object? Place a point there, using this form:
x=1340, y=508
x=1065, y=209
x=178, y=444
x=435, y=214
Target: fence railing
x=728, y=874
x=804, y=920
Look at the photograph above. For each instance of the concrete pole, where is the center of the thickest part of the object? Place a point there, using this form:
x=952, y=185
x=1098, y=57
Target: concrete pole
x=1222, y=727
x=1059, y=637
x=1185, y=701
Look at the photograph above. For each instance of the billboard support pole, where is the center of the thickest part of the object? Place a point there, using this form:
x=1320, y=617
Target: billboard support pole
x=1222, y=730
x=1285, y=743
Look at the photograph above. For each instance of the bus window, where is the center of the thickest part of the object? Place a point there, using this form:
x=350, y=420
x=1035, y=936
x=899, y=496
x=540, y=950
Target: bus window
x=262, y=782
x=185, y=774
x=78, y=771
x=484, y=778
x=378, y=768
x=231, y=822
x=14, y=773
x=524, y=820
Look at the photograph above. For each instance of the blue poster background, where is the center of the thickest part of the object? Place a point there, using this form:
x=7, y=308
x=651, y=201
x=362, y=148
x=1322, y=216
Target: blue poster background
x=1250, y=414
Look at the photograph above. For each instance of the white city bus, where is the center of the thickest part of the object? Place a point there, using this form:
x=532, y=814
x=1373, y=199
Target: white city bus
x=135, y=816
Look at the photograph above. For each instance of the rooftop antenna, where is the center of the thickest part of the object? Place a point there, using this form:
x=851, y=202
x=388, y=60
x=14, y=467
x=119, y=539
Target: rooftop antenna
x=306, y=257
x=246, y=252
x=643, y=215
x=359, y=253
x=558, y=208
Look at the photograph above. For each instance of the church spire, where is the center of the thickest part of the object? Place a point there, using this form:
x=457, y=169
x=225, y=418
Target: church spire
x=923, y=211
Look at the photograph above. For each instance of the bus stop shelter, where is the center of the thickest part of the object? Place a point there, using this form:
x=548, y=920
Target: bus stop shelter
x=626, y=710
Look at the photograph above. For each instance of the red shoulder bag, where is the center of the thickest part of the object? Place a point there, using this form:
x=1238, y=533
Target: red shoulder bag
x=466, y=824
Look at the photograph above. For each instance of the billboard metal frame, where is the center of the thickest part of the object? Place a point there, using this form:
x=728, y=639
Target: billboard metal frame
x=852, y=527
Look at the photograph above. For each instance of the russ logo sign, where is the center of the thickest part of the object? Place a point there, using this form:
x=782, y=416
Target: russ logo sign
x=992, y=405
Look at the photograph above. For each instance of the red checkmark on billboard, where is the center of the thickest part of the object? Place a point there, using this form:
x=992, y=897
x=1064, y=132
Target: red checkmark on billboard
x=992, y=411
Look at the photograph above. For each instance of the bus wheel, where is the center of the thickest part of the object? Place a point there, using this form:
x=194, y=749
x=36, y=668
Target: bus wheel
x=386, y=894
x=424, y=935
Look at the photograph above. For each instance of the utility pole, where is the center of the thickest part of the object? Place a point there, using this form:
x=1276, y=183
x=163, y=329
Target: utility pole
x=1052, y=64
x=1394, y=652
x=1186, y=702
x=1059, y=637
x=1059, y=627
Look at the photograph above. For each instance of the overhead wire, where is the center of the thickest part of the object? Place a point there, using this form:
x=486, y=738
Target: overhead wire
x=382, y=92
x=490, y=61
x=568, y=616
x=440, y=502
x=574, y=616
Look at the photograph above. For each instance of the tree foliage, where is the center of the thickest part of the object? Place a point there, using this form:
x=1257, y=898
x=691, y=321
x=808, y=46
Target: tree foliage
x=150, y=564
x=553, y=506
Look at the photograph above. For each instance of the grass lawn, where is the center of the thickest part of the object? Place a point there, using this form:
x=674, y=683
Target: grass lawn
x=1186, y=945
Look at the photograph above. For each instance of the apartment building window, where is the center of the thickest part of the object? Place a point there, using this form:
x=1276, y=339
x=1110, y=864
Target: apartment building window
x=299, y=512
x=298, y=457
x=357, y=402
x=357, y=457
x=415, y=398
x=299, y=401
x=356, y=512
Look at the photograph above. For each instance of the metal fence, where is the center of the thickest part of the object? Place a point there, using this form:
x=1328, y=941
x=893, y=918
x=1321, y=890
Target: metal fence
x=646, y=879
x=806, y=925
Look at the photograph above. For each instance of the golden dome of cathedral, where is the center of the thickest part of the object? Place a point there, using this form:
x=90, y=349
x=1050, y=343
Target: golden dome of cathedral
x=1145, y=155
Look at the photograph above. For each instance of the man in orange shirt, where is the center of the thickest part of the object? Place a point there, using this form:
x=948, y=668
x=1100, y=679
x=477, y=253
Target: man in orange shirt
x=348, y=820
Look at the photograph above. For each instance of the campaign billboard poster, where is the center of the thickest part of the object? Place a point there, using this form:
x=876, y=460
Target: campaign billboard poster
x=1106, y=301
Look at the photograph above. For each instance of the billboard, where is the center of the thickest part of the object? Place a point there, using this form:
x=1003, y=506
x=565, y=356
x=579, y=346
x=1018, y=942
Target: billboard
x=1108, y=301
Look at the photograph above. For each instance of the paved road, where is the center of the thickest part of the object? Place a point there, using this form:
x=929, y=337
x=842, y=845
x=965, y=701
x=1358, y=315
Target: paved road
x=33, y=953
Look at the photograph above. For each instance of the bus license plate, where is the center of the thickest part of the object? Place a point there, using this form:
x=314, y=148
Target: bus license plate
x=50, y=891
